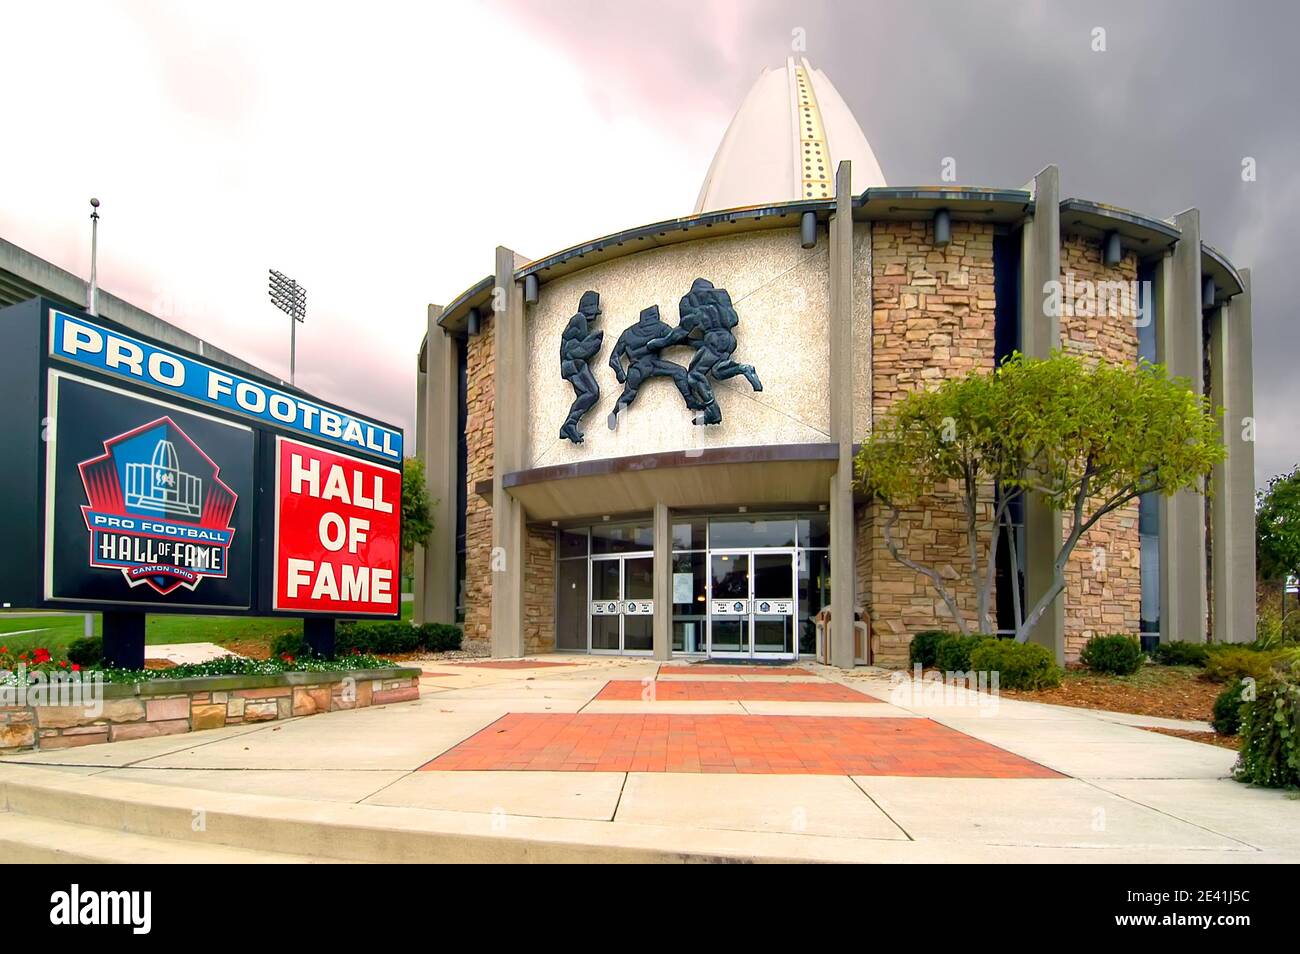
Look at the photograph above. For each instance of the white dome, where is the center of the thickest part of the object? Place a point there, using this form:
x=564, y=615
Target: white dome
x=784, y=144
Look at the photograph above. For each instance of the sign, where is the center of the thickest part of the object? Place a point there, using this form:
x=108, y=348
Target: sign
x=731, y=607
x=639, y=608
x=683, y=587
x=337, y=532
x=91, y=345
x=605, y=607
x=148, y=503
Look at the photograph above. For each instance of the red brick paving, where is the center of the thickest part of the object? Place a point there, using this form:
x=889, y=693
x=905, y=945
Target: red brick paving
x=702, y=691
x=710, y=670
x=734, y=744
x=512, y=664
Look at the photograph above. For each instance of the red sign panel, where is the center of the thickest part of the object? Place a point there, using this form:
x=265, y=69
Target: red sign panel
x=338, y=532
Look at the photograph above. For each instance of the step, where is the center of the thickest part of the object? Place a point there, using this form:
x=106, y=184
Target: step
x=31, y=839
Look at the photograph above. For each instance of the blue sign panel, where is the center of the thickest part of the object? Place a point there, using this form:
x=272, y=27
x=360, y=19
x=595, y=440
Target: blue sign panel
x=90, y=345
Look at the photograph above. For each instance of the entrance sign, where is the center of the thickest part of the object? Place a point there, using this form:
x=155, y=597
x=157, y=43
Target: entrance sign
x=140, y=478
x=337, y=532
x=91, y=344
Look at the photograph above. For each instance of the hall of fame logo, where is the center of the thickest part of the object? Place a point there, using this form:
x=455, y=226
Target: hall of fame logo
x=157, y=508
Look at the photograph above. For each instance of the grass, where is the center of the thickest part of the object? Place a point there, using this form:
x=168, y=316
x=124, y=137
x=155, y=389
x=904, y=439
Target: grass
x=55, y=631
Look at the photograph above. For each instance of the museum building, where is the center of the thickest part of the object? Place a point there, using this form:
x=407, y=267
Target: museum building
x=644, y=444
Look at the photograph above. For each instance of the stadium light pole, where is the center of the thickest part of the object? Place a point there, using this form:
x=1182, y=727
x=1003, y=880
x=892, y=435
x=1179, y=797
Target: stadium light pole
x=291, y=298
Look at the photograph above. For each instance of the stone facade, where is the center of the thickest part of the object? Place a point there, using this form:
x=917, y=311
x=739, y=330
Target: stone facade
x=539, y=591
x=480, y=386
x=1103, y=590
x=158, y=708
x=932, y=317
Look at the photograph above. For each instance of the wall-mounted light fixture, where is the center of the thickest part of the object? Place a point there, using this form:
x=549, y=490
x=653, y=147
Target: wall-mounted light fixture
x=808, y=229
x=530, y=289
x=1113, y=250
x=472, y=322
x=942, y=227
x=1209, y=291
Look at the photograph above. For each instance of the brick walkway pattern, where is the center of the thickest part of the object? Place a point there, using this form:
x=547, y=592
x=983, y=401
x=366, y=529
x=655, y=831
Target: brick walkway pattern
x=512, y=664
x=703, y=669
x=733, y=744
x=703, y=691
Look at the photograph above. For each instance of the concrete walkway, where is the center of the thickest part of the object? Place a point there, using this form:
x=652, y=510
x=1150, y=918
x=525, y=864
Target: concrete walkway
x=1114, y=792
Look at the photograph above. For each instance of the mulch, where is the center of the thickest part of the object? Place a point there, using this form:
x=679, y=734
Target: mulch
x=1174, y=692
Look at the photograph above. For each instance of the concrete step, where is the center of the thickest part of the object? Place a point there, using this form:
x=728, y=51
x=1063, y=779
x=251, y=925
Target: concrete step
x=31, y=839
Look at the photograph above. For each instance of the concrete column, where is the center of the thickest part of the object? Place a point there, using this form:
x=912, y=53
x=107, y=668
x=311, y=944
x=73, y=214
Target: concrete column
x=840, y=329
x=437, y=434
x=508, y=446
x=663, y=585
x=1183, y=598
x=1232, y=514
x=1040, y=333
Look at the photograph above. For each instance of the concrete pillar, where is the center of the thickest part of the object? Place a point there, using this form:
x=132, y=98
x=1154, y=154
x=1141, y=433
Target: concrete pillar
x=841, y=382
x=508, y=447
x=1040, y=333
x=437, y=434
x=1183, y=598
x=1232, y=514
x=663, y=582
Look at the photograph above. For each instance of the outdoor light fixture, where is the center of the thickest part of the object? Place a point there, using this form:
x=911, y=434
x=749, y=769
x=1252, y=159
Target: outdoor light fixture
x=808, y=229
x=472, y=322
x=942, y=227
x=530, y=289
x=290, y=298
x=1208, y=292
x=1114, y=250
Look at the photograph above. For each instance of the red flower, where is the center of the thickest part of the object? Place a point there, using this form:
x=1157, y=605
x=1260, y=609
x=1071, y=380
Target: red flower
x=76, y=668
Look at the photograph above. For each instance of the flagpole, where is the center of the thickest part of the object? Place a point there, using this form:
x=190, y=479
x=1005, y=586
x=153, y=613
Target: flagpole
x=92, y=307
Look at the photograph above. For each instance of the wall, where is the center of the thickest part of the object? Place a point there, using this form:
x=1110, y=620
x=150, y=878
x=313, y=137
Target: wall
x=480, y=366
x=539, y=591
x=1103, y=591
x=780, y=292
x=932, y=318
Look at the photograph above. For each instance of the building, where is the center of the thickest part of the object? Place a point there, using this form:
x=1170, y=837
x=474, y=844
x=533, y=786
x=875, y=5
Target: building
x=683, y=483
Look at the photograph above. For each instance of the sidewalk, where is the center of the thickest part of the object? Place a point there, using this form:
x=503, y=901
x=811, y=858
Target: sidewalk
x=597, y=751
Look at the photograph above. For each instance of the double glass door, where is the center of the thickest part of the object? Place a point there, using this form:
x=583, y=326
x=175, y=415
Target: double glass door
x=752, y=603
x=622, y=604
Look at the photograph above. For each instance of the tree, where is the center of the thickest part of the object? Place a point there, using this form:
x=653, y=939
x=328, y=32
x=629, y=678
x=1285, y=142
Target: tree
x=1277, y=527
x=1086, y=439
x=417, y=519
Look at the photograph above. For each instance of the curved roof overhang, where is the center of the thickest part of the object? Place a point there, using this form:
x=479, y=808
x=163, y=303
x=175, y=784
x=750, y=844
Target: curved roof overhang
x=1148, y=237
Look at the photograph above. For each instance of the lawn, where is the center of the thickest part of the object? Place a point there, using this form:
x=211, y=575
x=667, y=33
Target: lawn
x=243, y=634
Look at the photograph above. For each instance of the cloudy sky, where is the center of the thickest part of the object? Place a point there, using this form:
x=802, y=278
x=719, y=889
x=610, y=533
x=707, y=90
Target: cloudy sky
x=378, y=153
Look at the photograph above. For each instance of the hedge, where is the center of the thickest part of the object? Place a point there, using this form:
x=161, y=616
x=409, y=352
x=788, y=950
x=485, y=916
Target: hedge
x=1118, y=654
x=1018, y=665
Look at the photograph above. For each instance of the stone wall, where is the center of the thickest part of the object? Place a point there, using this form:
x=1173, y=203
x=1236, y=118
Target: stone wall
x=480, y=367
x=172, y=707
x=1103, y=591
x=539, y=591
x=932, y=317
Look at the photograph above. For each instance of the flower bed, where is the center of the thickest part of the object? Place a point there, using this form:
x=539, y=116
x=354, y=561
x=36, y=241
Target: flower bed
x=232, y=691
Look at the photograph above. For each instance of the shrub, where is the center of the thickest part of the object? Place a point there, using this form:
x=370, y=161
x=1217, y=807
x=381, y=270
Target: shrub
x=87, y=651
x=1179, y=653
x=1226, y=718
x=1117, y=654
x=1235, y=662
x=1019, y=665
x=396, y=636
x=1270, y=736
x=923, y=646
x=952, y=653
x=290, y=644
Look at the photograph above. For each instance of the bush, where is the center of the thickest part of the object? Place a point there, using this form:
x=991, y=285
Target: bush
x=952, y=653
x=86, y=652
x=1226, y=718
x=290, y=644
x=1019, y=665
x=1117, y=654
x=395, y=636
x=1179, y=653
x=1228, y=662
x=923, y=646
x=1270, y=736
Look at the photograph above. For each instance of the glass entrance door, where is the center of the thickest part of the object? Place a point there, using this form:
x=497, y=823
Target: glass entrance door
x=622, y=604
x=752, y=604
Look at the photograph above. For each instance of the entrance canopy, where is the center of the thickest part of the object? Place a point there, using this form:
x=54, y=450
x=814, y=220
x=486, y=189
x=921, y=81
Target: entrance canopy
x=771, y=475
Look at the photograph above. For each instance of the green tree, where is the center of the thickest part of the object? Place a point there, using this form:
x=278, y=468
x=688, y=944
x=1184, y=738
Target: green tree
x=1086, y=439
x=417, y=509
x=1277, y=527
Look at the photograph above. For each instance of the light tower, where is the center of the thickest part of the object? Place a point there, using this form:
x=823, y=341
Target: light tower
x=291, y=298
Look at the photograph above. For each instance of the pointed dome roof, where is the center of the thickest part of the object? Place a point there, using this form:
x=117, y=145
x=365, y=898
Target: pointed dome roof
x=784, y=144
